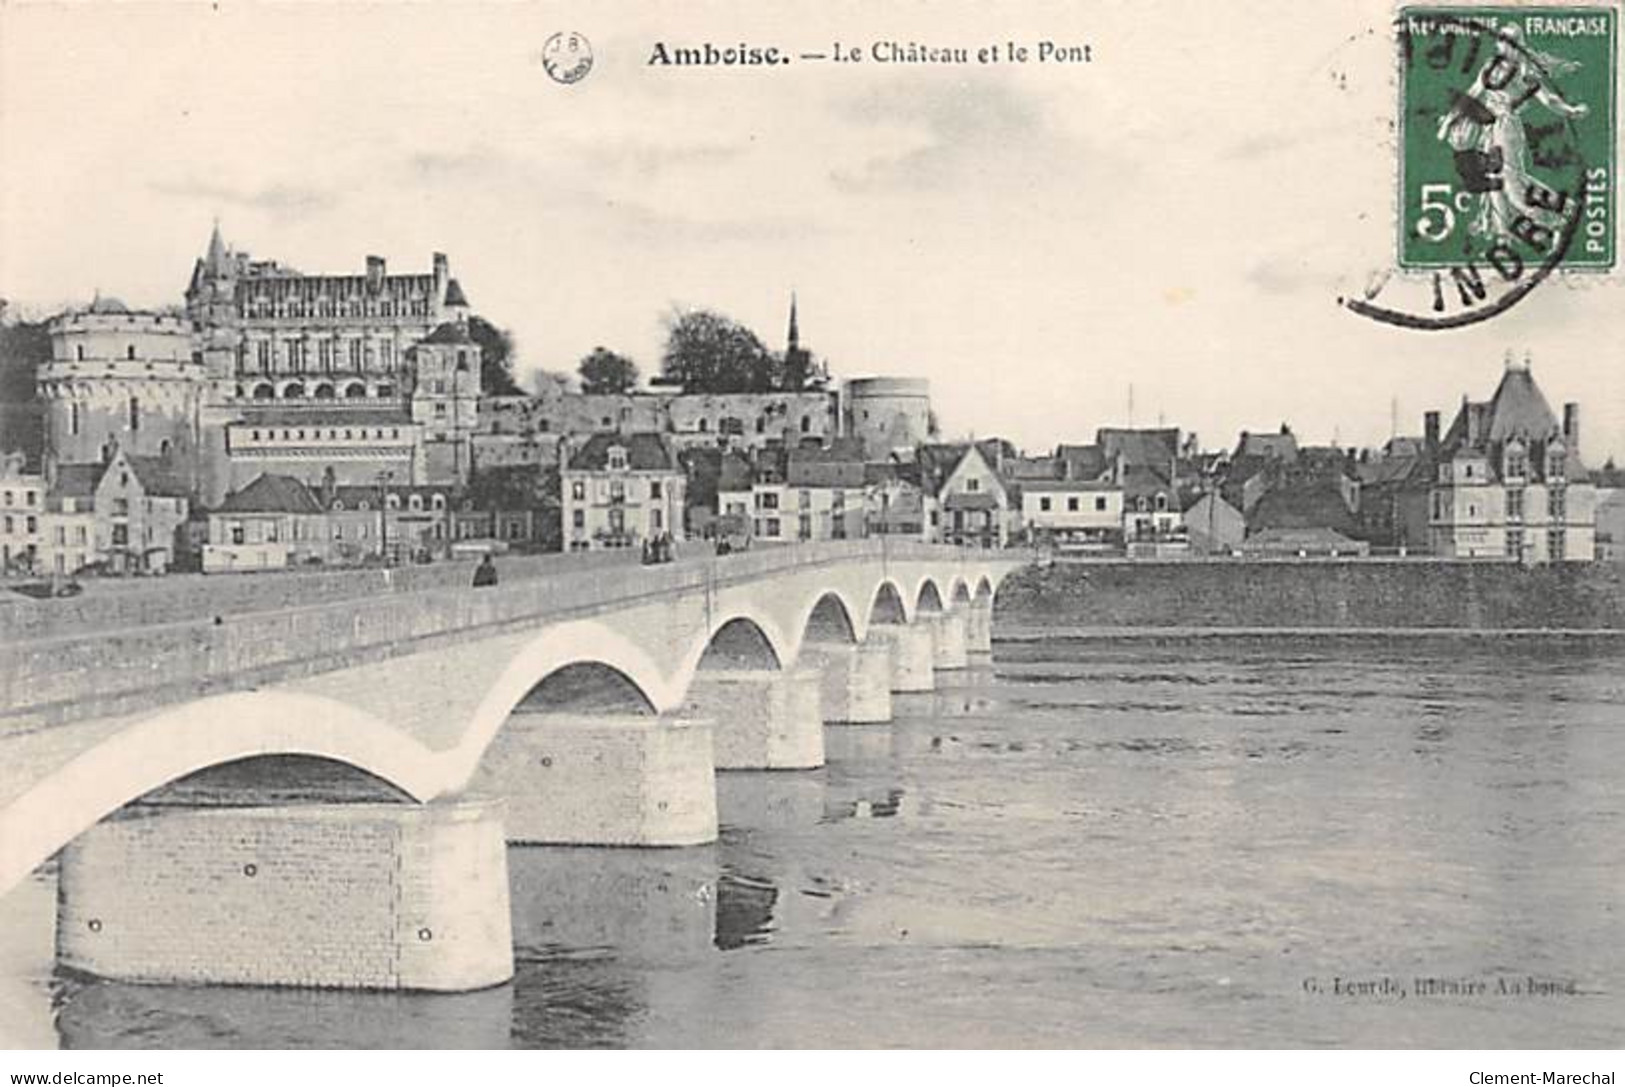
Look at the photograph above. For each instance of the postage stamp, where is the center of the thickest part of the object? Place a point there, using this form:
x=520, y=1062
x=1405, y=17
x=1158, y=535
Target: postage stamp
x=1508, y=157
x=1503, y=114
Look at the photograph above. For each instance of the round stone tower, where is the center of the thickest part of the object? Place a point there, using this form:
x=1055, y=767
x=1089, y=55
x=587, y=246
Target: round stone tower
x=888, y=413
x=122, y=377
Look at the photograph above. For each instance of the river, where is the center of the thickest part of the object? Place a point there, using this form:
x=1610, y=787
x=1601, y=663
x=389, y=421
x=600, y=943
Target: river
x=1261, y=841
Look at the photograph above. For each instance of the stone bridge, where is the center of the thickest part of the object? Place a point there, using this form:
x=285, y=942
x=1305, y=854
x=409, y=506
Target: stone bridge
x=321, y=793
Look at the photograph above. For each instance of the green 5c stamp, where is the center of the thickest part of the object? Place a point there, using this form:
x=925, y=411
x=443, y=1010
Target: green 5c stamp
x=1507, y=155
x=1499, y=106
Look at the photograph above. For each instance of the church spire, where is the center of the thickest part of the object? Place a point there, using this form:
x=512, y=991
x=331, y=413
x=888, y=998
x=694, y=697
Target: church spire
x=216, y=259
x=795, y=333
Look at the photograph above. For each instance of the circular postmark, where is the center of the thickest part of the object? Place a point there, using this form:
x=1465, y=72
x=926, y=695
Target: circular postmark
x=567, y=57
x=1493, y=175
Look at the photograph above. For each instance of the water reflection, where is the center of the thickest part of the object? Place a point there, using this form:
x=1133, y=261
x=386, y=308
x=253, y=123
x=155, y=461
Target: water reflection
x=641, y=905
x=771, y=799
x=744, y=910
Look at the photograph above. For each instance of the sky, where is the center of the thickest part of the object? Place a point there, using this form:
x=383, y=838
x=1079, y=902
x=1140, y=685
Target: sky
x=1158, y=235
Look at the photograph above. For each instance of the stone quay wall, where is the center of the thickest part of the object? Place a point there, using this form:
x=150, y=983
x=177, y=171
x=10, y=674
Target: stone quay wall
x=1353, y=595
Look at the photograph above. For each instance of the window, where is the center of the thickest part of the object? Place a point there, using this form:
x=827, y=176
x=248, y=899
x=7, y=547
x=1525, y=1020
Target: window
x=579, y=518
x=973, y=485
x=324, y=356
x=386, y=353
x=121, y=507
x=654, y=489
x=1556, y=543
x=655, y=519
x=415, y=503
x=121, y=535
x=61, y=535
x=135, y=413
x=1072, y=504
x=1515, y=505
x=617, y=490
x=129, y=352
x=1100, y=504
x=617, y=458
x=438, y=502
x=1517, y=465
x=578, y=490
x=770, y=526
x=262, y=355
x=79, y=535
x=1557, y=504
x=73, y=418
x=1515, y=542
x=79, y=352
x=1162, y=503
x=1043, y=504
x=806, y=424
x=9, y=524
x=355, y=354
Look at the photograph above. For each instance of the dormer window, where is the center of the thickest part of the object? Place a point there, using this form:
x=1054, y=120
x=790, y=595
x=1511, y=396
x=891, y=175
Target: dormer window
x=1555, y=462
x=1162, y=503
x=1517, y=462
x=617, y=458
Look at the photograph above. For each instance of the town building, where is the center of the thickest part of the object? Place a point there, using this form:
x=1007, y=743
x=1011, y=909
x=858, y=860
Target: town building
x=1510, y=483
x=976, y=506
x=127, y=515
x=1213, y=526
x=621, y=490
x=22, y=501
x=897, y=504
x=798, y=494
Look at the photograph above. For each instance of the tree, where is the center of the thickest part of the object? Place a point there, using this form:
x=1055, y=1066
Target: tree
x=24, y=346
x=707, y=352
x=496, y=357
x=605, y=371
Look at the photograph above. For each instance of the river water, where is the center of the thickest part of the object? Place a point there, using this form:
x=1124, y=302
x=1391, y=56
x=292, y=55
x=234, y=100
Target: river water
x=1098, y=842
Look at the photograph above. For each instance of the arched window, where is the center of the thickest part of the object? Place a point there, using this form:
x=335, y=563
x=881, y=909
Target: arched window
x=355, y=390
x=415, y=503
x=294, y=391
x=73, y=418
x=79, y=351
x=438, y=502
x=324, y=391
x=392, y=502
x=264, y=391
x=1162, y=503
x=129, y=351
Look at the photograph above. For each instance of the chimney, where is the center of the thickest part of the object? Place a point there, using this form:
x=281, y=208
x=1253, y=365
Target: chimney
x=1571, y=425
x=442, y=270
x=1474, y=421
x=1430, y=431
x=375, y=273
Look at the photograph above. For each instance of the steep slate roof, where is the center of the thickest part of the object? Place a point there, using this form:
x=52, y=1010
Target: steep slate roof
x=736, y=472
x=77, y=480
x=1279, y=444
x=272, y=494
x=455, y=295
x=1083, y=461
x=646, y=451
x=1157, y=447
x=937, y=462
x=1517, y=410
x=158, y=477
x=839, y=465
x=1316, y=505
x=314, y=418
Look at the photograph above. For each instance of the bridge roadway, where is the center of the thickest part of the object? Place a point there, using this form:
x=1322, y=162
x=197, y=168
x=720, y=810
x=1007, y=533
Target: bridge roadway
x=412, y=686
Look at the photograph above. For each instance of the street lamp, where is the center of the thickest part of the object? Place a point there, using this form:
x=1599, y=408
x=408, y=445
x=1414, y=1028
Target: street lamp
x=384, y=478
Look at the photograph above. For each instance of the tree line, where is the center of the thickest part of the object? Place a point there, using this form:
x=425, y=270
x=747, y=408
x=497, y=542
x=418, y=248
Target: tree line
x=706, y=352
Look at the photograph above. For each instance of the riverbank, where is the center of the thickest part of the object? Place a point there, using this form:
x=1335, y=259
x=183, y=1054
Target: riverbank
x=1323, y=595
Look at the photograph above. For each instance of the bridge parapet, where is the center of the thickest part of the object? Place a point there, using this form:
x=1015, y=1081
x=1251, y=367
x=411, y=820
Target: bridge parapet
x=50, y=680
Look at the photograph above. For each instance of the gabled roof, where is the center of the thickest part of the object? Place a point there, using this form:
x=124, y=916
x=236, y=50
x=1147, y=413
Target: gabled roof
x=1281, y=444
x=158, y=477
x=646, y=451
x=1517, y=410
x=1082, y=461
x=1159, y=446
x=1317, y=505
x=272, y=494
x=840, y=464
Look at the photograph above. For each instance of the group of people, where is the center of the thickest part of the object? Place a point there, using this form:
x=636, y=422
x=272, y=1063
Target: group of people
x=660, y=549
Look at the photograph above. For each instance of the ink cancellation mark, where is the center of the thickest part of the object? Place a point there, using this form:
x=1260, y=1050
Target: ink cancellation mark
x=567, y=57
x=1507, y=159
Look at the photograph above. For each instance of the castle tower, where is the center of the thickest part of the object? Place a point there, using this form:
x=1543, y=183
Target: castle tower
x=445, y=403
x=123, y=378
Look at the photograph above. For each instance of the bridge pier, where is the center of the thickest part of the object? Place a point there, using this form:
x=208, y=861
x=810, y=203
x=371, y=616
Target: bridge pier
x=856, y=681
x=603, y=779
x=912, y=655
x=979, y=628
x=763, y=720
x=948, y=643
x=368, y=896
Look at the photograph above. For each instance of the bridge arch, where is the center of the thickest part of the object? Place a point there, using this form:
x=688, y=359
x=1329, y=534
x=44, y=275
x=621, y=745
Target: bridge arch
x=887, y=605
x=587, y=686
x=740, y=643
x=928, y=600
x=830, y=620
x=155, y=750
x=984, y=589
x=960, y=593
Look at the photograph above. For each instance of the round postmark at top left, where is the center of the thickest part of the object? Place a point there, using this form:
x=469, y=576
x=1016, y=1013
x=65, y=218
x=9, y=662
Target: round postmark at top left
x=567, y=57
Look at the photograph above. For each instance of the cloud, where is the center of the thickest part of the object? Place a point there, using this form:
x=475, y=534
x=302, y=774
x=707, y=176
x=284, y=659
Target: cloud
x=281, y=202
